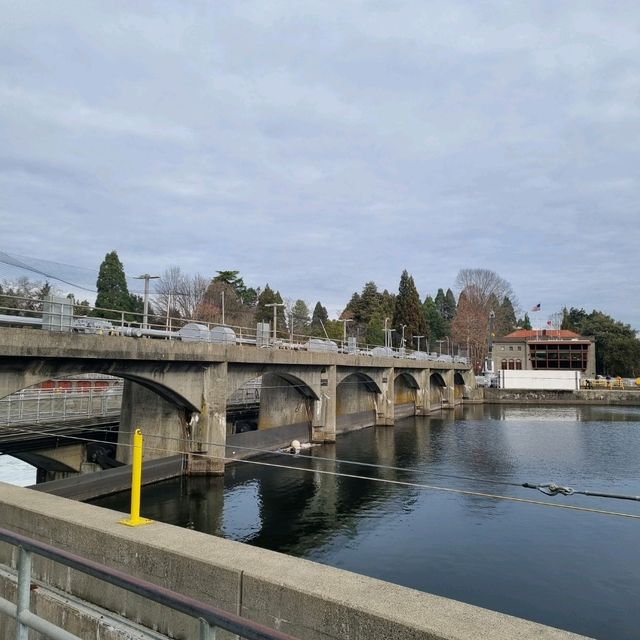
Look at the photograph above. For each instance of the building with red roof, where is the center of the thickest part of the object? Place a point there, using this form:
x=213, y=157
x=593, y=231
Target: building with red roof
x=545, y=349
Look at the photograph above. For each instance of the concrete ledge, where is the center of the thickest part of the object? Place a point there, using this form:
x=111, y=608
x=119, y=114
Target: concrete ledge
x=102, y=483
x=583, y=396
x=308, y=600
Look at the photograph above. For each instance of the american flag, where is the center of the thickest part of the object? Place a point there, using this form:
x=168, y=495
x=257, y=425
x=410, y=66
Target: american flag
x=536, y=308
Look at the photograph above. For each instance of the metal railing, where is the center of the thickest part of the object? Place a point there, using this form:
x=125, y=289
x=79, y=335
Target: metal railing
x=209, y=618
x=35, y=406
x=20, y=310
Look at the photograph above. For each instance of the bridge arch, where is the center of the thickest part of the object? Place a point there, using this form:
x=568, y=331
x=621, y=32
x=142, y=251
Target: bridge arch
x=437, y=390
x=356, y=394
x=286, y=401
x=405, y=391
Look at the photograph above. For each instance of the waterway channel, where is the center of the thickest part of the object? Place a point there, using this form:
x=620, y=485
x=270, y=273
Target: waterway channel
x=571, y=569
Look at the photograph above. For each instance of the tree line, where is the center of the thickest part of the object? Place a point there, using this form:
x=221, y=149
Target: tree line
x=486, y=307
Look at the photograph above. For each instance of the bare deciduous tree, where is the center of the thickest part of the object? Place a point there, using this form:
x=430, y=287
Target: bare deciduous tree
x=482, y=291
x=179, y=293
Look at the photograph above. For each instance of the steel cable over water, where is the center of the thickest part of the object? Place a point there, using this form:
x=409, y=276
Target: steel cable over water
x=417, y=485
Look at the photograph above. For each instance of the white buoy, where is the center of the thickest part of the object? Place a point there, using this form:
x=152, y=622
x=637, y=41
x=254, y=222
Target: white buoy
x=295, y=444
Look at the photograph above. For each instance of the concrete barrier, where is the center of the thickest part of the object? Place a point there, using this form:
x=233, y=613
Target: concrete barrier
x=307, y=600
x=583, y=396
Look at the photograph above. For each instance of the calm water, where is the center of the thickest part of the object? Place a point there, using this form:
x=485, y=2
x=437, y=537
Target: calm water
x=14, y=471
x=574, y=570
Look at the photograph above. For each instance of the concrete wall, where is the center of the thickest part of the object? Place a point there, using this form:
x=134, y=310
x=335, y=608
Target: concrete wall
x=165, y=426
x=547, y=379
x=355, y=405
x=583, y=396
x=307, y=600
x=282, y=404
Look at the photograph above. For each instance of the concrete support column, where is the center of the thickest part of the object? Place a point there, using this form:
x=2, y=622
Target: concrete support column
x=163, y=424
x=385, y=400
x=209, y=432
x=323, y=423
x=449, y=392
x=423, y=397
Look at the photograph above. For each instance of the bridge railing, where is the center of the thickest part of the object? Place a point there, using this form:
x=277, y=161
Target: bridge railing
x=102, y=321
x=35, y=406
x=209, y=618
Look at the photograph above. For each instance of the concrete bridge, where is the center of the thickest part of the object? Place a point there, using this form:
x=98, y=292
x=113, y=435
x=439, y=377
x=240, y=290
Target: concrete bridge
x=178, y=392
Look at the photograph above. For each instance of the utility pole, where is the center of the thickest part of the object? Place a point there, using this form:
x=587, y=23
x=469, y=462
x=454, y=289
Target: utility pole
x=222, y=293
x=146, y=277
x=489, y=362
x=275, y=306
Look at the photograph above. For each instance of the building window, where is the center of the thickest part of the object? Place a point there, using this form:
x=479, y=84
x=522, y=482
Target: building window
x=567, y=355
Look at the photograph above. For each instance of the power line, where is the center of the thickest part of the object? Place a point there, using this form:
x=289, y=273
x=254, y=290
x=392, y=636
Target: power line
x=452, y=490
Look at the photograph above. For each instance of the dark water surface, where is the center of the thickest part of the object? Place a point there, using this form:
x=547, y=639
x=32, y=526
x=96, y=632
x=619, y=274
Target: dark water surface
x=574, y=570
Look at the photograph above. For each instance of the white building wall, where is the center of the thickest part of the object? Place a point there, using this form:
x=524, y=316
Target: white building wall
x=547, y=379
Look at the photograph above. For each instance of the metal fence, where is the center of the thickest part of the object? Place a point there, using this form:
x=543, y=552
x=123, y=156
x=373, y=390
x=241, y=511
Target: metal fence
x=20, y=311
x=209, y=618
x=35, y=406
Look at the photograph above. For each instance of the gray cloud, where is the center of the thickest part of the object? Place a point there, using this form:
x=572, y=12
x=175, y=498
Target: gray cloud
x=317, y=147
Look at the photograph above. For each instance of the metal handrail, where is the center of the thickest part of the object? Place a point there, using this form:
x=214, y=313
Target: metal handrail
x=38, y=405
x=243, y=334
x=210, y=617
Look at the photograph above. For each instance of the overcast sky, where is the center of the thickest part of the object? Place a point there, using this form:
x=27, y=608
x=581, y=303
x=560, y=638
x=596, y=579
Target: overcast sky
x=319, y=145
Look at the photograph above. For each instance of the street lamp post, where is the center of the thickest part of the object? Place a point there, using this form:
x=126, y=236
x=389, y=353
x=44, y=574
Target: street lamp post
x=439, y=346
x=402, y=341
x=448, y=349
x=418, y=339
x=146, y=277
x=344, y=331
x=386, y=335
x=275, y=306
x=390, y=340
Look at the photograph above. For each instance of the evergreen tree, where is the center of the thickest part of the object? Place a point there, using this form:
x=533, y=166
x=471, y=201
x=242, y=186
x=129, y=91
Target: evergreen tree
x=374, y=331
x=436, y=326
x=265, y=314
x=617, y=348
x=505, y=318
x=526, y=322
x=449, y=306
x=247, y=295
x=319, y=317
x=408, y=311
x=300, y=317
x=353, y=310
x=441, y=303
x=113, y=292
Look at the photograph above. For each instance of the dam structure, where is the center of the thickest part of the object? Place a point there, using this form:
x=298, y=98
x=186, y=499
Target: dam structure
x=178, y=393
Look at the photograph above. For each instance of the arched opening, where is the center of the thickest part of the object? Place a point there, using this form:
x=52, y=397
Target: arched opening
x=279, y=409
x=405, y=390
x=60, y=426
x=437, y=391
x=459, y=388
x=355, y=402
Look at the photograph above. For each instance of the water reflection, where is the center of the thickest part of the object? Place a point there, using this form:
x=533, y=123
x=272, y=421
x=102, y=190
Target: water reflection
x=487, y=552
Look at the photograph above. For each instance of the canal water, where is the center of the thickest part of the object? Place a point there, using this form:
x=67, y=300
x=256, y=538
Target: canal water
x=572, y=569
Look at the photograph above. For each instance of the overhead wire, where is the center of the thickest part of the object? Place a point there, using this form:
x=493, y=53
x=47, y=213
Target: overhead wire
x=417, y=485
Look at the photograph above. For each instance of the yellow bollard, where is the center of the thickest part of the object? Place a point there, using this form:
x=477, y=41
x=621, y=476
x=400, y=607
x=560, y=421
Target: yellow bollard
x=136, y=480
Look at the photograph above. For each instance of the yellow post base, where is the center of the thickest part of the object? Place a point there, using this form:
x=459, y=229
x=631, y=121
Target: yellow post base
x=138, y=522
